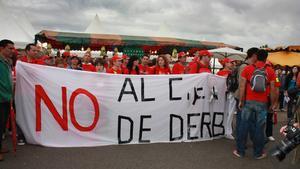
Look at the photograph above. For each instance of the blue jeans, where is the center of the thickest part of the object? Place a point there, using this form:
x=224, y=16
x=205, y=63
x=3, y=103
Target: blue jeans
x=253, y=118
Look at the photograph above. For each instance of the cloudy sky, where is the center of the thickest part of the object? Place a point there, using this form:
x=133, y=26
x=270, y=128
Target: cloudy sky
x=242, y=23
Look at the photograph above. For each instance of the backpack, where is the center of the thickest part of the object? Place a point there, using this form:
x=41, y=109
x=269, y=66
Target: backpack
x=258, y=81
x=232, y=81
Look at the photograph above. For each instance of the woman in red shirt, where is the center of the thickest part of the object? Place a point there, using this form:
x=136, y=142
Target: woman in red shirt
x=133, y=65
x=162, y=66
x=228, y=65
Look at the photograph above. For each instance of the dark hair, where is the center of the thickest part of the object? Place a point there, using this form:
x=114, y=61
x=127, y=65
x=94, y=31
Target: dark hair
x=28, y=46
x=5, y=42
x=262, y=55
x=99, y=61
x=130, y=64
x=251, y=52
x=146, y=56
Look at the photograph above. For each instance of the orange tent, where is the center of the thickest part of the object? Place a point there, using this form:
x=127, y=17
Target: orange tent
x=284, y=58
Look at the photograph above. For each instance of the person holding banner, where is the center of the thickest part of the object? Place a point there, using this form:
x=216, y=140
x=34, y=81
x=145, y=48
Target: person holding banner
x=162, y=66
x=133, y=66
x=86, y=64
x=179, y=66
x=228, y=66
x=6, y=86
x=125, y=60
x=75, y=63
x=32, y=52
x=143, y=67
x=116, y=65
x=203, y=65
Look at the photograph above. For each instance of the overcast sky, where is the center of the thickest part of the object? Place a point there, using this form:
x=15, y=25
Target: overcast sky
x=242, y=23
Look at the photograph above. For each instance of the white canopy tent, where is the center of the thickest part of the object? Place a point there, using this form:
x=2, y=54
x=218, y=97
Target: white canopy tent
x=94, y=26
x=222, y=53
x=20, y=31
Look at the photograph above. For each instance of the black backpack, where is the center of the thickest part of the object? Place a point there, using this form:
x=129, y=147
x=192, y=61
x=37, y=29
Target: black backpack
x=232, y=81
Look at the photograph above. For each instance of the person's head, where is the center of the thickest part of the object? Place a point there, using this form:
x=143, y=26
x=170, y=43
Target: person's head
x=99, y=65
x=168, y=57
x=252, y=54
x=59, y=62
x=162, y=61
x=125, y=59
x=182, y=57
x=133, y=63
x=205, y=56
x=228, y=63
x=75, y=61
x=86, y=57
x=145, y=60
x=49, y=60
x=32, y=50
x=279, y=70
x=7, y=48
x=116, y=61
x=262, y=55
x=295, y=69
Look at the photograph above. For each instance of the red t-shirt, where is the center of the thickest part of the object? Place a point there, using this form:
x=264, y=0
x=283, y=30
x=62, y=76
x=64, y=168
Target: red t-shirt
x=178, y=68
x=88, y=67
x=247, y=74
x=202, y=68
x=143, y=69
x=124, y=69
x=133, y=72
x=162, y=71
x=223, y=73
x=33, y=60
x=150, y=70
x=113, y=71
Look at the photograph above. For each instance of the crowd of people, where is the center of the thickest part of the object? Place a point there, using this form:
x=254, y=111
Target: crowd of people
x=252, y=98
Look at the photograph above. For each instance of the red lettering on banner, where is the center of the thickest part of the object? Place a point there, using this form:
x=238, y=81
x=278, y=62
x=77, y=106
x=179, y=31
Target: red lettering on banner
x=40, y=95
x=72, y=114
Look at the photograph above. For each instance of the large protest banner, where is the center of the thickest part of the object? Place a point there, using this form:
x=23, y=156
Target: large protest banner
x=68, y=108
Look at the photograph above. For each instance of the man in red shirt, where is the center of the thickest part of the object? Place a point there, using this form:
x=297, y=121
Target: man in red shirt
x=228, y=65
x=116, y=65
x=86, y=64
x=254, y=106
x=143, y=67
x=203, y=65
x=179, y=67
x=32, y=55
x=125, y=60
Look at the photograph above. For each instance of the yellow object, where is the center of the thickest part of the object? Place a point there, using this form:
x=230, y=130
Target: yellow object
x=67, y=48
x=284, y=58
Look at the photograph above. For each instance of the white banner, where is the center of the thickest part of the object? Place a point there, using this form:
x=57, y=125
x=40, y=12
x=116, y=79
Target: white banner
x=68, y=108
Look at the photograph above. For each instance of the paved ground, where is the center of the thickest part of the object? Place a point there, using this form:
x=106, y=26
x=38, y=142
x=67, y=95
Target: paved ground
x=201, y=155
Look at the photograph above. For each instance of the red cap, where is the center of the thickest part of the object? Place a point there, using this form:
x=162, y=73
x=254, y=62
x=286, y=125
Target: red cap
x=205, y=53
x=124, y=56
x=66, y=54
x=228, y=60
x=181, y=54
x=115, y=58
